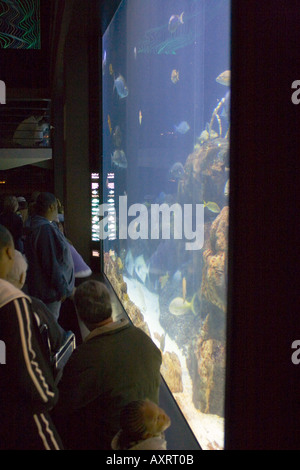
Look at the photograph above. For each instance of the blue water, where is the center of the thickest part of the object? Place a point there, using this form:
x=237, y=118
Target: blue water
x=159, y=121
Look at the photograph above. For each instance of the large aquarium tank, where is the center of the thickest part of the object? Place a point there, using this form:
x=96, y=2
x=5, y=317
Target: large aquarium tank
x=165, y=169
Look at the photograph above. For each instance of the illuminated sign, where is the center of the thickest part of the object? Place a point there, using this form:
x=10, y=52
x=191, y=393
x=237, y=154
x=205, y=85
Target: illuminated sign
x=95, y=204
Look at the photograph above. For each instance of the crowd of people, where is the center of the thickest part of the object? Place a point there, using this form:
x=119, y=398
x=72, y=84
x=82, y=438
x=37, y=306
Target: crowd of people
x=108, y=395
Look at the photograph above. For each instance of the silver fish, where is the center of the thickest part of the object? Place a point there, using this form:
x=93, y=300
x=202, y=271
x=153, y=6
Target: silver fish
x=182, y=128
x=118, y=159
x=141, y=268
x=129, y=263
x=174, y=22
x=121, y=87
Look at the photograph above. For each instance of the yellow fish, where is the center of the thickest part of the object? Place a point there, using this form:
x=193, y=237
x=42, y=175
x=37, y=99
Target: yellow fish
x=184, y=289
x=111, y=70
x=212, y=206
x=175, y=76
x=224, y=78
x=109, y=124
x=140, y=117
x=180, y=307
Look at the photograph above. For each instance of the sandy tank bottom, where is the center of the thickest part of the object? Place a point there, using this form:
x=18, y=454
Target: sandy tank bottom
x=208, y=429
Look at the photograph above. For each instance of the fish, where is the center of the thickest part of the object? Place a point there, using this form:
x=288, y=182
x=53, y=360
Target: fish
x=111, y=70
x=175, y=76
x=212, y=206
x=224, y=78
x=174, y=22
x=203, y=137
x=140, y=117
x=176, y=172
x=109, y=124
x=129, y=263
x=184, y=289
x=118, y=159
x=121, y=87
x=177, y=276
x=141, y=268
x=207, y=134
x=163, y=280
x=117, y=136
x=226, y=189
x=135, y=52
x=213, y=134
x=179, y=306
x=182, y=128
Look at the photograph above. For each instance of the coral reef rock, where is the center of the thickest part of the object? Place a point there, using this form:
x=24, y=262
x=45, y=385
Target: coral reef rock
x=171, y=371
x=112, y=271
x=214, y=280
x=211, y=371
x=205, y=173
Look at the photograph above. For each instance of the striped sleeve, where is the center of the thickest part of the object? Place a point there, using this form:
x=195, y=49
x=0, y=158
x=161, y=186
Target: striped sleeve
x=36, y=374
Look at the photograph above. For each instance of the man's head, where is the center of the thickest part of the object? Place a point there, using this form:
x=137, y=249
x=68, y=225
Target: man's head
x=7, y=252
x=46, y=206
x=17, y=274
x=93, y=303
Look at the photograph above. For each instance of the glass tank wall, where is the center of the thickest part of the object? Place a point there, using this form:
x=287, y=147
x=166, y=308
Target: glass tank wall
x=166, y=102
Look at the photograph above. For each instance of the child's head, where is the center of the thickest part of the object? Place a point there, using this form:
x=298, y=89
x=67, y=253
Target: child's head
x=142, y=419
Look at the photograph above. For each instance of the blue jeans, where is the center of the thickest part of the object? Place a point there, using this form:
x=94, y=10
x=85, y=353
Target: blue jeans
x=54, y=308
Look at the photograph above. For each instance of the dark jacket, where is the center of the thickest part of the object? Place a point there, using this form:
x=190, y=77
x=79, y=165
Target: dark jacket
x=116, y=364
x=50, y=275
x=57, y=335
x=27, y=388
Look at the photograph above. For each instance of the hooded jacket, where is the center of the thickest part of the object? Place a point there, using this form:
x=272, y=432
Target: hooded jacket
x=27, y=387
x=50, y=274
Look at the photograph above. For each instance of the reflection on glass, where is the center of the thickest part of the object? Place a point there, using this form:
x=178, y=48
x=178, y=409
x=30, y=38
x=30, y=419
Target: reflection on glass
x=166, y=102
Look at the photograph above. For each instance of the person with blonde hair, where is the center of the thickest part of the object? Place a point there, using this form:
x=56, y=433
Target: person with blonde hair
x=142, y=427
